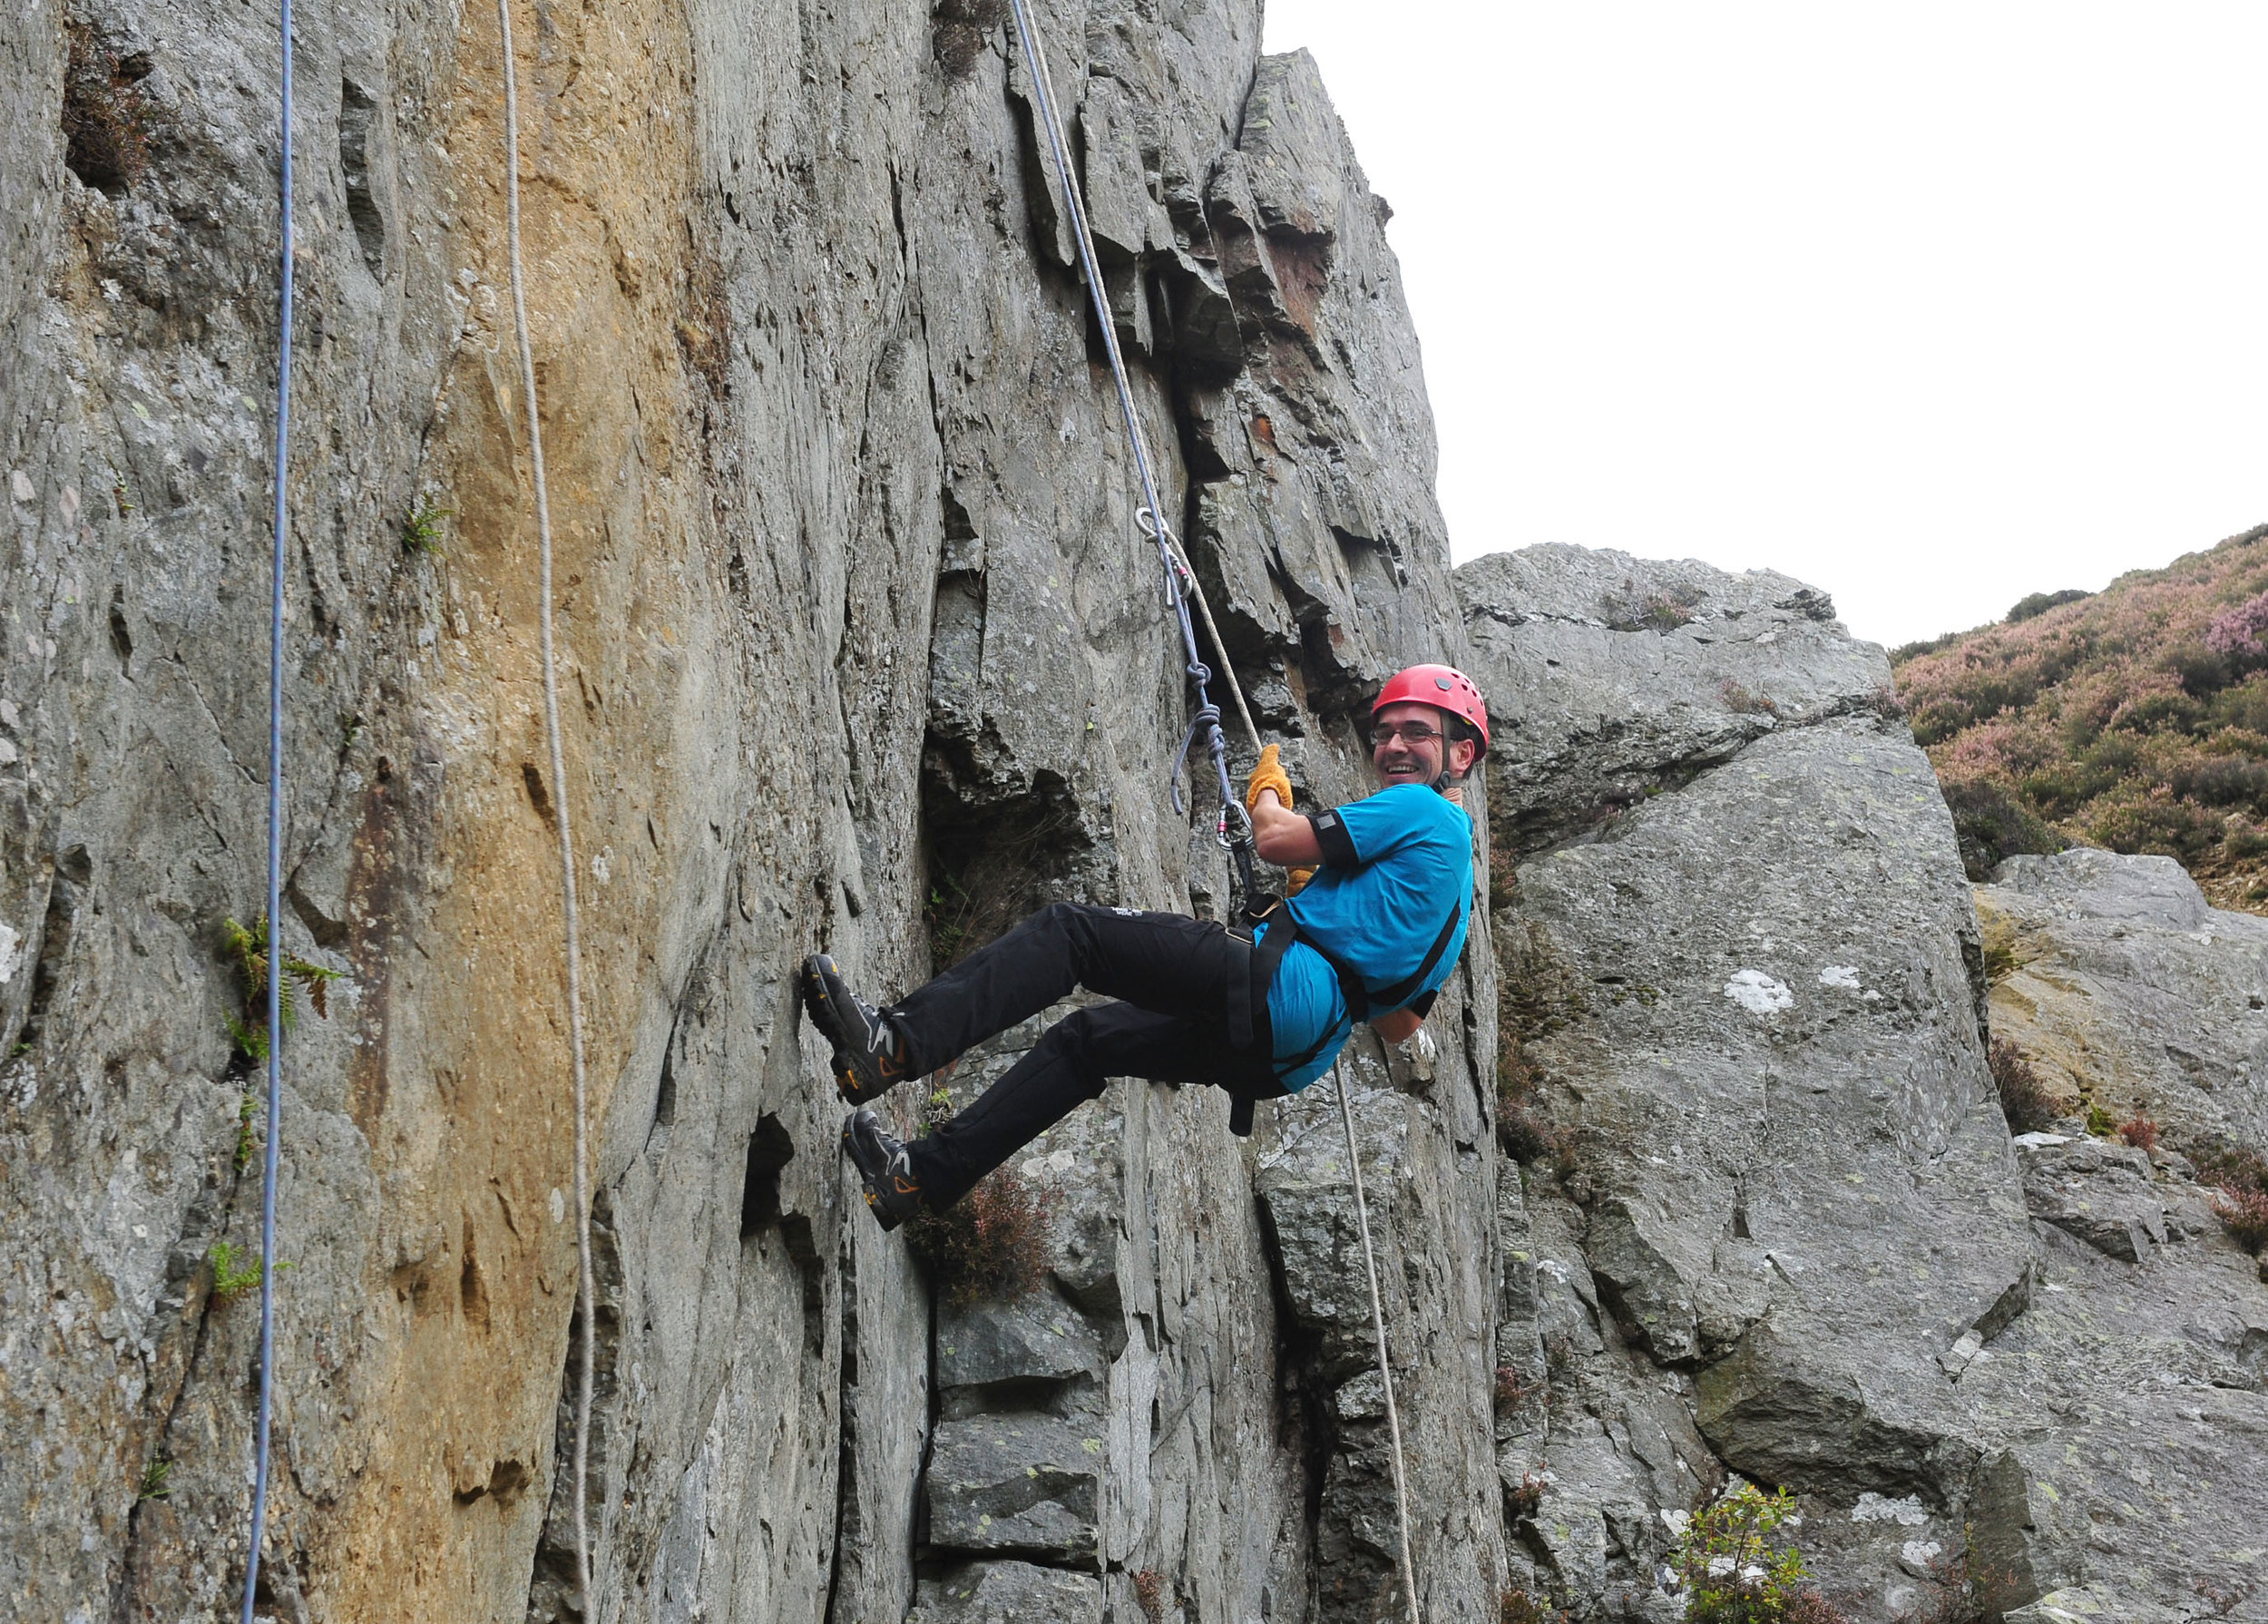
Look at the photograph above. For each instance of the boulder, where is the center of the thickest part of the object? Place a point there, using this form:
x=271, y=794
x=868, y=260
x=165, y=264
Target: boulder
x=1018, y=1482
x=2125, y=991
x=1007, y=1593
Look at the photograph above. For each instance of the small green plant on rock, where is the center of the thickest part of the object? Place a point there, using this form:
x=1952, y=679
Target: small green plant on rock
x=2100, y=1122
x=250, y=945
x=1734, y=1568
x=947, y=915
x=232, y=1276
x=155, y=1476
x=421, y=532
x=247, y=1141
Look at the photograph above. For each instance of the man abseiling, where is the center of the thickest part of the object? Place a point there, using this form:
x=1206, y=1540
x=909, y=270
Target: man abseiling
x=1371, y=937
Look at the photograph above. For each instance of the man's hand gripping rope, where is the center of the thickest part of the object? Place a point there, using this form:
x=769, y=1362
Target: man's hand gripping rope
x=1281, y=836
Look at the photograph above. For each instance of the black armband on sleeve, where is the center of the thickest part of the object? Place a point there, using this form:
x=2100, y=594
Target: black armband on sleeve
x=1423, y=1004
x=1331, y=836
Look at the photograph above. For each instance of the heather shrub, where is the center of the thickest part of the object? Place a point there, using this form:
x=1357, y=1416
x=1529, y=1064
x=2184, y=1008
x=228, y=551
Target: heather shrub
x=2238, y=631
x=105, y=122
x=2034, y=604
x=1530, y=1138
x=2202, y=671
x=2244, y=1214
x=2025, y=1101
x=989, y=1246
x=1956, y=1590
x=2136, y=719
x=1990, y=821
x=2140, y=1132
x=1512, y=1389
x=1741, y=700
x=2151, y=819
x=1522, y=1500
x=2242, y=1175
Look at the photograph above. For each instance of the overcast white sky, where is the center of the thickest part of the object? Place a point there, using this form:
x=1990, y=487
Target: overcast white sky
x=1932, y=305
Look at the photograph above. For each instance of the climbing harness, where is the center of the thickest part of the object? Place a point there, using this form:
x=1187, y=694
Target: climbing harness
x=1234, y=830
x=268, y=1158
x=1378, y=1321
x=583, y=1294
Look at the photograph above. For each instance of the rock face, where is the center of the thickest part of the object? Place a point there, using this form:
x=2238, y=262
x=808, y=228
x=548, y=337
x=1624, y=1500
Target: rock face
x=2140, y=1492
x=1768, y=1217
x=2127, y=992
x=861, y=651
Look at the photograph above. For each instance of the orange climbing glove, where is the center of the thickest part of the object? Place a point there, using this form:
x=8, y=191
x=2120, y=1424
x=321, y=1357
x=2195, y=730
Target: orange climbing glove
x=1268, y=773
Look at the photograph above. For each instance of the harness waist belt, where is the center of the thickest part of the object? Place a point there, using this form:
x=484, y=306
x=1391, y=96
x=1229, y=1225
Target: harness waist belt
x=1360, y=999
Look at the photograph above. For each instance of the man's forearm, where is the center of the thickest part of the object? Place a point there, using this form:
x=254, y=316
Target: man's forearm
x=1281, y=836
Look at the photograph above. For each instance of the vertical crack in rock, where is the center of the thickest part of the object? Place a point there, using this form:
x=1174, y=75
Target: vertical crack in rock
x=551, y=1587
x=357, y=118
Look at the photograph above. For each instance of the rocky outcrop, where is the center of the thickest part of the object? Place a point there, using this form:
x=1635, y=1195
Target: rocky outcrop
x=1768, y=1217
x=2128, y=992
x=2132, y=1395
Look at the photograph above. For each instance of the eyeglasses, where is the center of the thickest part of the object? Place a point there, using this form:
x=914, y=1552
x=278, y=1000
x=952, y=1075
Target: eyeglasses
x=1416, y=735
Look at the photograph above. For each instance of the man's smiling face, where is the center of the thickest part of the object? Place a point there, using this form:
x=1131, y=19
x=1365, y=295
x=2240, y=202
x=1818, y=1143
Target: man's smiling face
x=1408, y=755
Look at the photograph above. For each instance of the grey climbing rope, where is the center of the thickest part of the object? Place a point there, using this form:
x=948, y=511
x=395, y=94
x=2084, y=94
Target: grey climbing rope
x=583, y=1292
x=1181, y=581
x=270, y=1161
x=1181, y=585
x=1378, y=1321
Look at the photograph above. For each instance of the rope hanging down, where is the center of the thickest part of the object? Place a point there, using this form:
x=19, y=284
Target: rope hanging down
x=268, y=1158
x=1181, y=579
x=1378, y=1321
x=559, y=805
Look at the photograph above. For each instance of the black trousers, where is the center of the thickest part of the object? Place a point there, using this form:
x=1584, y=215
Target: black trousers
x=1179, y=979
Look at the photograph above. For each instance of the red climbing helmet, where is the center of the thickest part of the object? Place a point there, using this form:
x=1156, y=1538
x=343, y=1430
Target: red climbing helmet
x=1442, y=686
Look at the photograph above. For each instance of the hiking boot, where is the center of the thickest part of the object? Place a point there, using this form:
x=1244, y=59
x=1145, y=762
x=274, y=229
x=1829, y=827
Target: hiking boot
x=884, y=1168
x=869, y=1054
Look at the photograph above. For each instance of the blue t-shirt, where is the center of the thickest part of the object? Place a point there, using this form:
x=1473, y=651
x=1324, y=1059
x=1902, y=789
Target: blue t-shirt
x=1394, y=866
